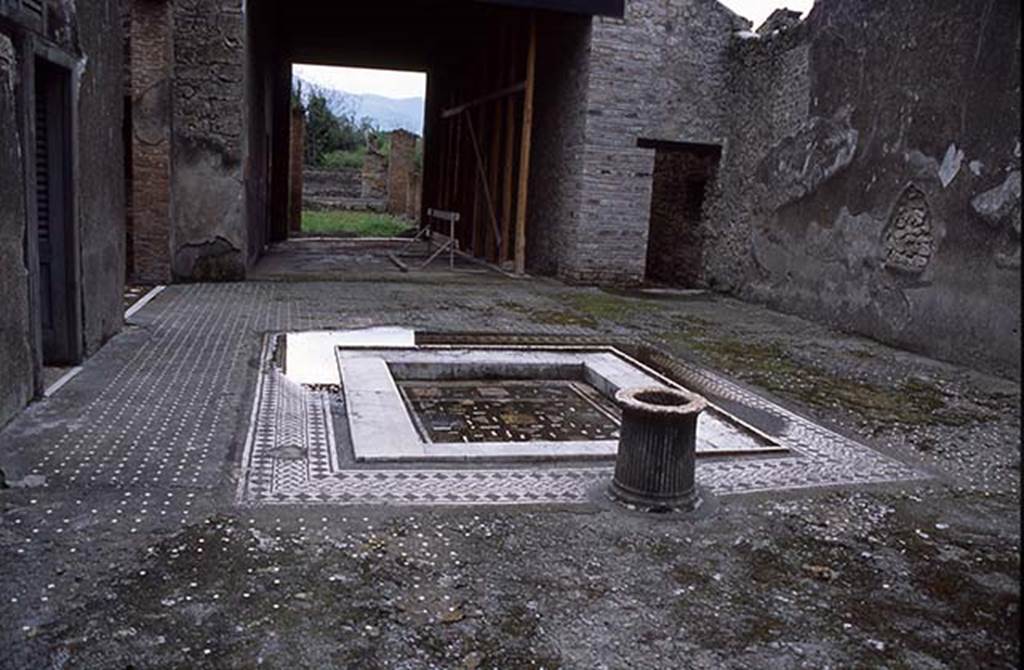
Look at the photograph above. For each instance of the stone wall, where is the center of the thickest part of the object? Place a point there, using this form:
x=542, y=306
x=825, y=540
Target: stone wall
x=100, y=192
x=322, y=184
x=374, y=175
x=658, y=73
x=86, y=37
x=16, y=363
x=209, y=141
x=414, y=196
x=296, y=181
x=401, y=165
x=152, y=56
x=872, y=175
x=553, y=215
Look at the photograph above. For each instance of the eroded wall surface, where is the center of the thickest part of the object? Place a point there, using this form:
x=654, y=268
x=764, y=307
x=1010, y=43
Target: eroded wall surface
x=86, y=37
x=16, y=372
x=872, y=175
x=209, y=141
x=100, y=181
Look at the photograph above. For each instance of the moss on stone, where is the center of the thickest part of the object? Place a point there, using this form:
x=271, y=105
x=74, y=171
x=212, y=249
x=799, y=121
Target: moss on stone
x=913, y=401
x=548, y=317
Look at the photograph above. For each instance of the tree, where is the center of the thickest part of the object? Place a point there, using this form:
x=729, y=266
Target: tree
x=323, y=130
x=331, y=123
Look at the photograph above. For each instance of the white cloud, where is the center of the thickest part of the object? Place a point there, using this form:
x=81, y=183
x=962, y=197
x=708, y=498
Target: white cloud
x=388, y=83
x=758, y=10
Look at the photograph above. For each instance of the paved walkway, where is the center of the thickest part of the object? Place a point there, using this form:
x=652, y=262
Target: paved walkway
x=122, y=544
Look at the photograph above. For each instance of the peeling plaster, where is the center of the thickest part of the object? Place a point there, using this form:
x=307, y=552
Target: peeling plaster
x=950, y=165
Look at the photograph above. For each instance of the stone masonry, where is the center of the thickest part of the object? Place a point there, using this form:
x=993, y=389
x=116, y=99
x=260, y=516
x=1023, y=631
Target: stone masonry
x=84, y=41
x=861, y=209
x=295, y=169
x=16, y=361
x=401, y=165
x=659, y=73
x=152, y=58
x=805, y=213
x=209, y=229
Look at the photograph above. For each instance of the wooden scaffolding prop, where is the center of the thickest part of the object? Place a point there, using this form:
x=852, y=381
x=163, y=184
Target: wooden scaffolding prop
x=483, y=140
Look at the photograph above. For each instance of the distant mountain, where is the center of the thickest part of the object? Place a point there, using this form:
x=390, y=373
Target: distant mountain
x=385, y=113
x=392, y=113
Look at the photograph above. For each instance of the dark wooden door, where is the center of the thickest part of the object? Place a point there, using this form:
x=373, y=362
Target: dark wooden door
x=53, y=210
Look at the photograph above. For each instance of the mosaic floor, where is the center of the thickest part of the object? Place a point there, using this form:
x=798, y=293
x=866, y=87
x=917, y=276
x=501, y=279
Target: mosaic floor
x=188, y=400
x=292, y=452
x=517, y=411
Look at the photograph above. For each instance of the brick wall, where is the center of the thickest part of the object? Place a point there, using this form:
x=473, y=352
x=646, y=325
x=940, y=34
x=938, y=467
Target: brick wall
x=658, y=73
x=558, y=142
x=401, y=165
x=152, y=57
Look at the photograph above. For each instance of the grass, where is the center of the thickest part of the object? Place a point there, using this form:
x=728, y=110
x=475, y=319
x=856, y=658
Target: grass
x=355, y=224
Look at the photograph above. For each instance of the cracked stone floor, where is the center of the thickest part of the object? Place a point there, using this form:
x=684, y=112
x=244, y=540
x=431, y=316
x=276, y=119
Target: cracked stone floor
x=122, y=545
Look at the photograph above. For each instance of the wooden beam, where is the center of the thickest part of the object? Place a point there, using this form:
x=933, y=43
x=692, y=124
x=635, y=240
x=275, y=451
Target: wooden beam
x=483, y=182
x=494, y=248
x=508, y=177
x=494, y=95
x=524, y=148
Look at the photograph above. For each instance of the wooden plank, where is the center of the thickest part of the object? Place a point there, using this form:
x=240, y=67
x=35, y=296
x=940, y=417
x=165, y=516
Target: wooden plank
x=478, y=236
x=491, y=233
x=494, y=248
x=508, y=178
x=494, y=95
x=524, y=148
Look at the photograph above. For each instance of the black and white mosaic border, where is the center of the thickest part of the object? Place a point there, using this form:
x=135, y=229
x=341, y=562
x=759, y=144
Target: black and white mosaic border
x=290, y=458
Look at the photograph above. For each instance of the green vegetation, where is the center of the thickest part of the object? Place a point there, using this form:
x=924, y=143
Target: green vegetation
x=354, y=224
x=339, y=158
x=601, y=305
x=332, y=136
x=548, y=317
x=911, y=401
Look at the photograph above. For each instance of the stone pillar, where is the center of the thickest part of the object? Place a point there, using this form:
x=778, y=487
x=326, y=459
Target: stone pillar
x=152, y=58
x=298, y=137
x=401, y=164
x=374, y=177
x=656, y=462
x=413, y=198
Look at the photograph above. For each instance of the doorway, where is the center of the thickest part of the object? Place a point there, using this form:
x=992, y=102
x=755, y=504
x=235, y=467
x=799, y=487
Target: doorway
x=683, y=173
x=56, y=238
x=356, y=161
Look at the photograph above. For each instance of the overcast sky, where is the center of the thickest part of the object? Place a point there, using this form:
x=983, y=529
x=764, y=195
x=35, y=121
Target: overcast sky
x=394, y=84
x=388, y=83
x=758, y=10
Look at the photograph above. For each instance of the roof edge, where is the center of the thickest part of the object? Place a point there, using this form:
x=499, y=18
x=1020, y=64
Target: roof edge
x=613, y=8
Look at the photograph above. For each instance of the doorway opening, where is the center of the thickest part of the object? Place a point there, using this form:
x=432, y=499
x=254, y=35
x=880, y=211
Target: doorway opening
x=56, y=236
x=356, y=151
x=489, y=68
x=683, y=174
